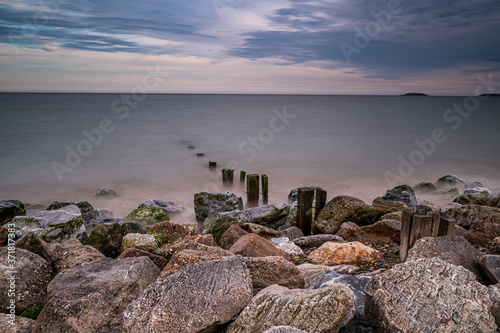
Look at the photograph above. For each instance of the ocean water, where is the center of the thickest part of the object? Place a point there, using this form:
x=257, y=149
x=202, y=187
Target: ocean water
x=64, y=146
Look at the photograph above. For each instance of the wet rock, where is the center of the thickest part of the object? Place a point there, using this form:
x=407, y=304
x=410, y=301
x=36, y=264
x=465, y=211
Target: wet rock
x=32, y=243
x=52, y=225
x=317, y=240
x=260, y=230
x=345, y=209
x=401, y=193
x=159, y=261
x=481, y=198
x=477, y=189
x=217, y=225
x=466, y=215
x=71, y=253
x=352, y=253
x=396, y=216
x=168, y=232
x=206, y=203
x=32, y=275
x=484, y=230
x=16, y=325
x=291, y=233
x=424, y=188
x=104, y=193
x=169, y=207
x=332, y=308
x=147, y=214
x=273, y=270
x=311, y=272
x=199, y=298
x=490, y=265
x=231, y=235
x=450, y=181
x=357, y=284
x=387, y=231
x=271, y=216
x=133, y=228
x=92, y=298
x=428, y=295
x=107, y=238
x=252, y=245
x=283, y=243
x=89, y=214
x=143, y=242
x=10, y=209
x=389, y=205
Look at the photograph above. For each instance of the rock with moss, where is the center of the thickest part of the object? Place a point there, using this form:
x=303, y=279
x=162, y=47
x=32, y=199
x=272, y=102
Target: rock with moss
x=345, y=209
x=52, y=225
x=32, y=312
x=206, y=203
x=216, y=225
x=169, y=207
x=450, y=181
x=143, y=242
x=107, y=238
x=9, y=209
x=148, y=214
x=389, y=205
x=133, y=228
x=481, y=198
x=271, y=216
x=401, y=193
x=466, y=215
x=168, y=232
x=89, y=214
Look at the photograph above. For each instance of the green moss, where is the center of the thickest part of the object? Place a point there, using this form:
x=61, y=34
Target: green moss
x=159, y=239
x=32, y=312
x=148, y=214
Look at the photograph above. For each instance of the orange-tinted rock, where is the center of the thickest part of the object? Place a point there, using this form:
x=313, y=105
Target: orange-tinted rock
x=353, y=253
x=252, y=245
x=159, y=261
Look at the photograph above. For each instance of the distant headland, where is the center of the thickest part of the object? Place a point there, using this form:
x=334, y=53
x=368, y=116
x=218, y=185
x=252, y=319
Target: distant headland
x=414, y=94
x=490, y=95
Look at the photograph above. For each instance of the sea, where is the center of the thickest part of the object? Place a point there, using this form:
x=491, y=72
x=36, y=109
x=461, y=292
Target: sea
x=62, y=147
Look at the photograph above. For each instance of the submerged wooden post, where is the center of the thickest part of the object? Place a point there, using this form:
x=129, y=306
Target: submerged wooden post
x=320, y=201
x=253, y=190
x=230, y=176
x=305, y=199
x=212, y=165
x=265, y=189
x=243, y=174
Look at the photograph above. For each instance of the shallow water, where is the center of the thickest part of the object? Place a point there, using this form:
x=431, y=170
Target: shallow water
x=345, y=144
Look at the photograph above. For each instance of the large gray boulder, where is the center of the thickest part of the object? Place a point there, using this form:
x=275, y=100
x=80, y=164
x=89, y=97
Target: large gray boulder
x=52, y=225
x=15, y=324
x=481, y=198
x=357, y=284
x=169, y=207
x=89, y=214
x=199, y=298
x=466, y=215
x=314, y=311
x=216, y=225
x=9, y=209
x=92, y=298
x=107, y=238
x=450, y=181
x=401, y=193
x=206, y=203
x=428, y=295
x=26, y=277
x=271, y=216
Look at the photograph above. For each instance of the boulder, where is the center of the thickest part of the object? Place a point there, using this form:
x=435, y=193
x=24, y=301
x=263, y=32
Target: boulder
x=484, y=230
x=310, y=272
x=494, y=292
x=107, y=238
x=389, y=205
x=284, y=329
x=357, y=284
x=52, y=225
x=490, y=265
x=455, y=250
x=387, y=231
x=345, y=209
x=231, y=235
x=450, y=181
x=199, y=298
x=206, y=203
x=147, y=214
x=88, y=213
x=252, y=245
x=495, y=245
x=352, y=253
x=482, y=198
x=32, y=243
x=168, y=232
x=293, y=195
x=314, y=311
x=92, y=298
x=159, y=261
x=428, y=295
x=291, y=233
x=283, y=243
x=10, y=209
x=216, y=225
x=466, y=215
x=401, y=193
x=15, y=324
x=104, y=193
x=133, y=228
x=4, y=236
x=271, y=216
x=71, y=253
x=273, y=270
x=182, y=259
x=143, y=242
x=317, y=240
x=424, y=188
x=31, y=274
x=392, y=216
x=260, y=230
x=168, y=250
x=477, y=189
x=169, y=207
x=117, y=220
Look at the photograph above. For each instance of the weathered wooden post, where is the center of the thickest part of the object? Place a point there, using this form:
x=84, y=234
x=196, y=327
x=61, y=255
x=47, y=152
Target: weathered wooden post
x=253, y=190
x=230, y=176
x=265, y=189
x=243, y=174
x=320, y=201
x=212, y=165
x=305, y=199
x=406, y=221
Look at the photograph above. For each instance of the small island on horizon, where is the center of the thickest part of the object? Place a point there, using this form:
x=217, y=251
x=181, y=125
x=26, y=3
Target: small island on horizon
x=490, y=95
x=414, y=94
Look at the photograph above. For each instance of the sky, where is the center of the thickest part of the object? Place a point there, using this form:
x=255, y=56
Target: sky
x=241, y=46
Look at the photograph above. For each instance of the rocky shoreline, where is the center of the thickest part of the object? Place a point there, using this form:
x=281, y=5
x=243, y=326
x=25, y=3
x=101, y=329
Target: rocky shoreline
x=70, y=268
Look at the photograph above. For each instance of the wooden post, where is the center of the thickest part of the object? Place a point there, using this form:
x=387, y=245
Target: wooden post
x=265, y=189
x=320, y=202
x=230, y=176
x=421, y=227
x=252, y=190
x=212, y=165
x=446, y=225
x=305, y=199
x=406, y=225
x=243, y=174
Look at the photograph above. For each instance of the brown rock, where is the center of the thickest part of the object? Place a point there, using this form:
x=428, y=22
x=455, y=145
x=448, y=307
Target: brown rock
x=71, y=253
x=273, y=270
x=494, y=292
x=484, y=230
x=344, y=253
x=490, y=265
x=207, y=239
x=387, y=231
x=310, y=272
x=21, y=324
x=468, y=214
x=260, y=230
x=32, y=243
x=317, y=240
x=4, y=233
x=159, y=261
x=252, y=245
x=168, y=232
x=392, y=216
x=231, y=236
